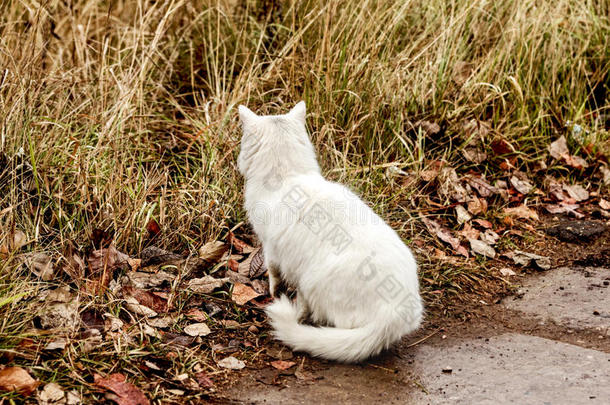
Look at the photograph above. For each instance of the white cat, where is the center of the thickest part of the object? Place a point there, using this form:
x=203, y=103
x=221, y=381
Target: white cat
x=353, y=274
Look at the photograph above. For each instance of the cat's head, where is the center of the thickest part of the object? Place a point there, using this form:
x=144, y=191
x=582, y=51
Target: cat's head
x=280, y=139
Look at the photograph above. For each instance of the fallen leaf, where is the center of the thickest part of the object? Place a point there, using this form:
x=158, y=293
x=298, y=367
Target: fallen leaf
x=521, y=212
x=153, y=228
x=462, y=214
x=564, y=208
x=481, y=248
x=501, y=146
x=234, y=266
x=242, y=293
x=468, y=232
x=51, y=392
x=603, y=204
x=482, y=186
x=212, y=251
x=18, y=380
x=19, y=240
x=605, y=175
x=146, y=298
x=112, y=323
x=559, y=148
x=238, y=244
x=484, y=223
x=197, y=315
x=430, y=128
x=134, y=306
x=556, y=190
x=163, y=322
x=204, y=380
x=126, y=393
x=102, y=263
x=231, y=363
x=506, y=272
x=141, y=279
x=40, y=264
x=282, y=365
x=429, y=174
x=490, y=237
x=197, y=329
x=57, y=344
x=443, y=234
x=526, y=259
x=474, y=154
x=62, y=315
x=577, y=192
x=206, y=284
x=60, y=294
x=260, y=286
x=521, y=185
x=450, y=186
x=477, y=206
x=257, y=265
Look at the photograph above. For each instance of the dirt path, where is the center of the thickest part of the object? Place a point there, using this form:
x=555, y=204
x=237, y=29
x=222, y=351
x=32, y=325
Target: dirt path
x=549, y=344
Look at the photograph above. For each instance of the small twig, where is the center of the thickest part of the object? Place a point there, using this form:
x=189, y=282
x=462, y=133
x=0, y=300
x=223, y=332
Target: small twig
x=425, y=338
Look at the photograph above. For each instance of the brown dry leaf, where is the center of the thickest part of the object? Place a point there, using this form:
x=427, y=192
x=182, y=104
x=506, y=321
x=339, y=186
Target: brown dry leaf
x=501, y=146
x=51, y=393
x=450, y=186
x=482, y=186
x=153, y=228
x=238, y=244
x=146, y=298
x=233, y=265
x=521, y=212
x=204, y=380
x=443, y=234
x=564, y=208
x=523, y=186
x=603, y=204
x=490, y=237
x=481, y=248
x=211, y=252
x=282, y=365
x=102, y=263
x=559, y=148
x=18, y=380
x=556, y=190
x=257, y=265
x=462, y=214
x=206, y=284
x=429, y=175
x=231, y=363
x=468, y=232
x=577, y=192
x=243, y=268
x=197, y=315
x=126, y=393
x=242, y=293
x=484, y=223
x=197, y=329
x=474, y=154
x=430, y=128
x=41, y=265
x=477, y=206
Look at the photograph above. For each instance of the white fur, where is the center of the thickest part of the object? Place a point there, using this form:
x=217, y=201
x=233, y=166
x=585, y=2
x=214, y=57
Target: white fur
x=364, y=292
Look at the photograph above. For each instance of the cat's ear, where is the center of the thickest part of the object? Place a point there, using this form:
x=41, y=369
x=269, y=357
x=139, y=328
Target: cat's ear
x=246, y=116
x=299, y=111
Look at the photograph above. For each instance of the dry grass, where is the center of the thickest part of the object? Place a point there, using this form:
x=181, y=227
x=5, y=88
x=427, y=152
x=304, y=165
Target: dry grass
x=116, y=112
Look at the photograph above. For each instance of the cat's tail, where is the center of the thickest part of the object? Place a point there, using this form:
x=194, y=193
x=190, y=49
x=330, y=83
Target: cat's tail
x=345, y=345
